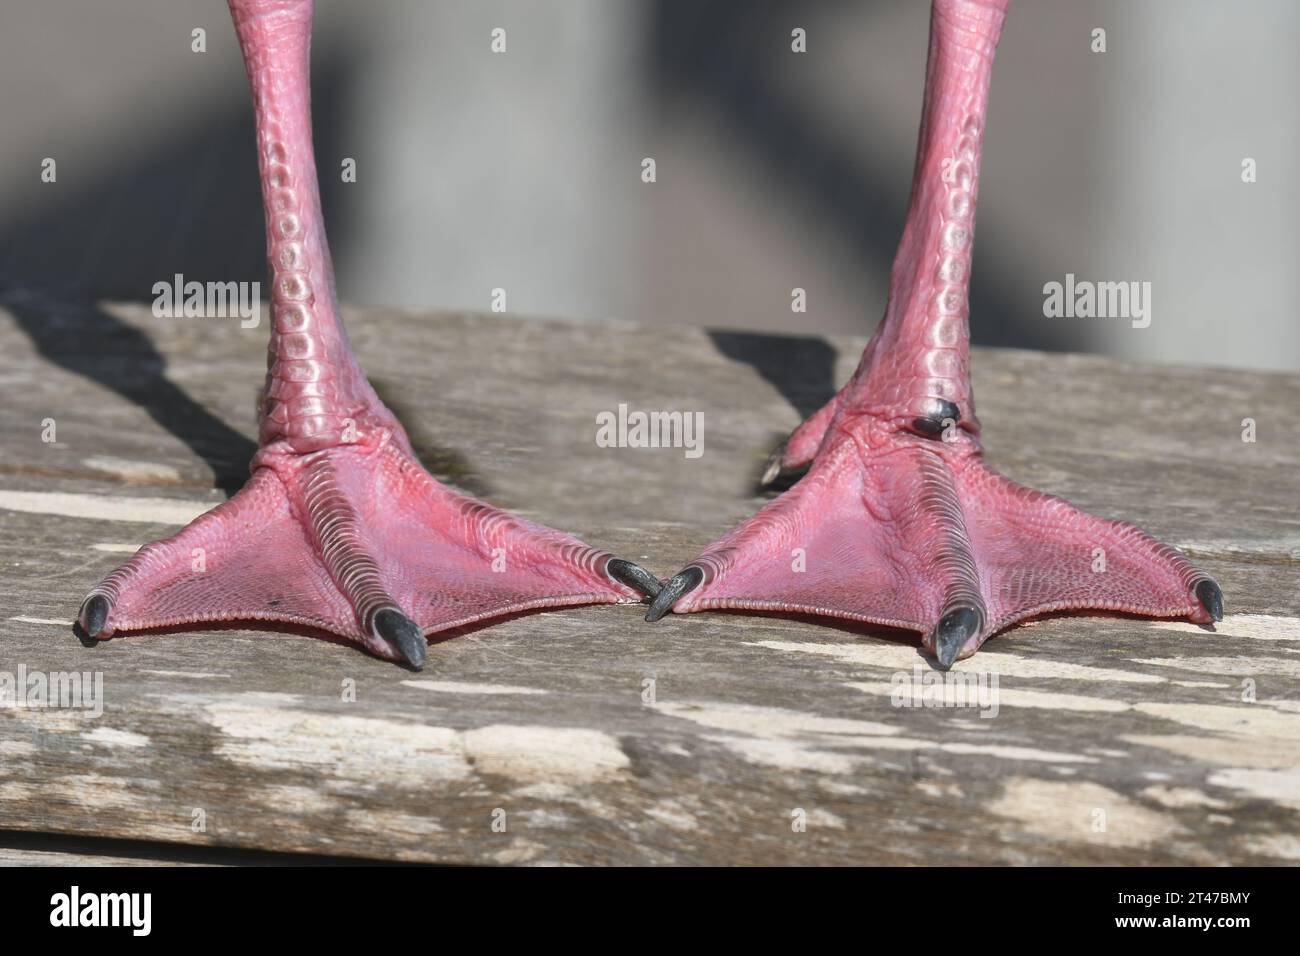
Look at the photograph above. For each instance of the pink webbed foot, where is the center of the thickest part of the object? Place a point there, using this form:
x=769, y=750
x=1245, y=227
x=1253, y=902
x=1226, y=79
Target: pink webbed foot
x=898, y=521
x=358, y=540
x=920, y=534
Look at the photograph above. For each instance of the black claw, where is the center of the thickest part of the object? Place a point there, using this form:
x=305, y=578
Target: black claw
x=1208, y=593
x=403, y=634
x=683, y=582
x=954, y=630
x=776, y=477
x=634, y=576
x=773, y=470
x=94, y=614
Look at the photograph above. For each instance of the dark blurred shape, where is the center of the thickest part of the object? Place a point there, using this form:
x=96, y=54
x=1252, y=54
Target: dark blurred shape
x=721, y=54
x=801, y=368
x=84, y=339
x=193, y=208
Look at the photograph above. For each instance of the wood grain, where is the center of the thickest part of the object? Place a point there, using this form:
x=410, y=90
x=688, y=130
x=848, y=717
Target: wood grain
x=597, y=738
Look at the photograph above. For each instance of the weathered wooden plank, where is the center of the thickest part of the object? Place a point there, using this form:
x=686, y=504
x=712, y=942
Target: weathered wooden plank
x=1136, y=725
x=26, y=857
x=51, y=849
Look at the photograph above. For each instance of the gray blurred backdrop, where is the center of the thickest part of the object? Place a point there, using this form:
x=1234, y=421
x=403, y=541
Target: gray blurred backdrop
x=775, y=170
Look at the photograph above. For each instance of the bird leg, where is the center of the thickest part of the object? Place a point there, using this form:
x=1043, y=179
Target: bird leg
x=898, y=521
x=339, y=528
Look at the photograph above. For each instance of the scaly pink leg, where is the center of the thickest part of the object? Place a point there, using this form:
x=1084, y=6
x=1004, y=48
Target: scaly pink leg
x=898, y=521
x=339, y=527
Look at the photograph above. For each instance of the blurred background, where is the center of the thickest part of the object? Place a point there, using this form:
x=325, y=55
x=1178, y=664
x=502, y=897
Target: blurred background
x=775, y=169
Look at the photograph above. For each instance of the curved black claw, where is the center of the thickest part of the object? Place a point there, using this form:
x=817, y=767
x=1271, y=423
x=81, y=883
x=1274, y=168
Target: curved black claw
x=776, y=477
x=634, y=576
x=403, y=634
x=1211, y=597
x=94, y=614
x=773, y=470
x=954, y=630
x=683, y=582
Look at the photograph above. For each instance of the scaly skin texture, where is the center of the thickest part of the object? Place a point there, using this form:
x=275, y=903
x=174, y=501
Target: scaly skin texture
x=339, y=528
x=898, y=520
